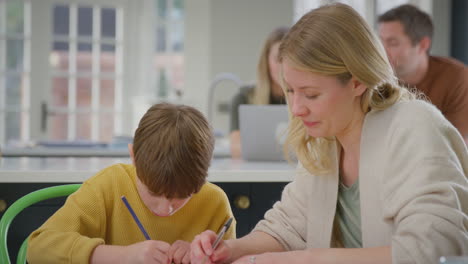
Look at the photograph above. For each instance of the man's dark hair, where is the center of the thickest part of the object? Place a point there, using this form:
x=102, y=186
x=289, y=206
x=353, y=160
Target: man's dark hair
x=417, y=24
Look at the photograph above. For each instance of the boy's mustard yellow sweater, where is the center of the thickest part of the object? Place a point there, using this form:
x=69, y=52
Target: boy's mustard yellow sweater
x=95, y=214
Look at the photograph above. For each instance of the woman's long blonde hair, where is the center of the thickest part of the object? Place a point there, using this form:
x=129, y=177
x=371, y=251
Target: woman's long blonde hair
x=334, y=40
x=262, y=90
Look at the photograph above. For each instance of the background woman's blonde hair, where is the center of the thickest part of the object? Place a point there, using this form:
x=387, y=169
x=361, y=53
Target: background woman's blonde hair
x=334, y=40
x=262, y=90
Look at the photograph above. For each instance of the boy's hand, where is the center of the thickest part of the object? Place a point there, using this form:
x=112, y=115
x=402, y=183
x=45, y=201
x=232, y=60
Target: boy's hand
x=179, y=252
x=201, y=249
x=149, y=251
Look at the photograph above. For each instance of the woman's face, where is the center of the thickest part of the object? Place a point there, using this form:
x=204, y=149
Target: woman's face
x=273, y=63
x=159, y=205
x=326, y=106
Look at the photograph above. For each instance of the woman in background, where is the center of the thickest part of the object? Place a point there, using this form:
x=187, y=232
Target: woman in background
x=382, y=175
x=267, y=90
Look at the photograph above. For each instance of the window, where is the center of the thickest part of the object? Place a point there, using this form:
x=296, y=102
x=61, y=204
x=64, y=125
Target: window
x=69, y=70
x=303, y=6
x=86, y=73
x=382, y=6
x=15, y=46
x=369, y=9
x=61, y=70
x=169, y=46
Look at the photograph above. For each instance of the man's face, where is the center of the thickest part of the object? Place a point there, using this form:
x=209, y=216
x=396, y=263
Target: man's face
x=403, y=55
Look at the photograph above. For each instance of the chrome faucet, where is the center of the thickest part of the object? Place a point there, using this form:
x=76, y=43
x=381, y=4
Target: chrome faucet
x=224, y=76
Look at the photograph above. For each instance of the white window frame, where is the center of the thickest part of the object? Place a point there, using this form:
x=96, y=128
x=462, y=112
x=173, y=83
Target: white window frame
x=38, y=71
x=169, y=24
x=24, y=73
x=73, y=39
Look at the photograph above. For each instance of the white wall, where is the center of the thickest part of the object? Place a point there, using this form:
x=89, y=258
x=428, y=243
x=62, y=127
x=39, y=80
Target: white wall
x=226, y=36
x=197, y=50
x=441, y=18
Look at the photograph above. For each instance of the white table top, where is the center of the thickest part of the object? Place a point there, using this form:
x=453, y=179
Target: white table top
x=221, y=150
x=72, y=169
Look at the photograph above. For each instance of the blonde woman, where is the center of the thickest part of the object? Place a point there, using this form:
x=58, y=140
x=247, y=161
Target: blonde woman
x=267, y=90
x=382, y=176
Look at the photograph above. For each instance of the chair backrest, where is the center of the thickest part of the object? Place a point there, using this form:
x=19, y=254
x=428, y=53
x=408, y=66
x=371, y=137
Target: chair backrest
x=20, y=205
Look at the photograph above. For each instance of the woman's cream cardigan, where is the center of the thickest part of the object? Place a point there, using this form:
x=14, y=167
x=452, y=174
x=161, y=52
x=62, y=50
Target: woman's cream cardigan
x=413, y=190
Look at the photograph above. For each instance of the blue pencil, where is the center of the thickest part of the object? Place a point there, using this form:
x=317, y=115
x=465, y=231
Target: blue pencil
x=135, y=218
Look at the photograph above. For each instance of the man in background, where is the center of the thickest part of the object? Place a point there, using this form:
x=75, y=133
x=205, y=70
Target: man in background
x=406, y=33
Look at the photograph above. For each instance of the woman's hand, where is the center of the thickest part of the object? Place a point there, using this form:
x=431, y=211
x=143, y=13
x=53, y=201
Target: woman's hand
x=149, y=251
x=179, y=252
x=201, y=249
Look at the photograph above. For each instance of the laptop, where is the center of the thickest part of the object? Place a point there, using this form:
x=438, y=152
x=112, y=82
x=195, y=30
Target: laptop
x=263, y=130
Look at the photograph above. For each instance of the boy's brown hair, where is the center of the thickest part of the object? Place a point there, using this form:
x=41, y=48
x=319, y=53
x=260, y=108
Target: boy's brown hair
x=173, y=147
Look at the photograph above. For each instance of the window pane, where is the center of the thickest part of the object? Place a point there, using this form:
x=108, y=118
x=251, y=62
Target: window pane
x=62, y=46
x=12, y=127
x=106, y=127
x=84, y=57
x=58, y=126
x=61, y=20
x=2, y=23
x=177, y=37
x=177, y=80
x=83, y=126
x=14, y=51
x=58, y=58
x=15, y=17
x=163, y=85
x=358, y=5
x=107, y=58
x=107, y=93
x=85, y=47
x=108, y=48
x=59, y=92
x=108, y=22
x=83, y=92
x=161, y=5
x=13, y=91
x=85, y=21
x=178, y=10
x=160, y=39
x=303, y=6
x=384, y=5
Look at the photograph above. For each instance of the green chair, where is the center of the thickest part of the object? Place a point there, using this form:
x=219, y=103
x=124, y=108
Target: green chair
x=20, y=205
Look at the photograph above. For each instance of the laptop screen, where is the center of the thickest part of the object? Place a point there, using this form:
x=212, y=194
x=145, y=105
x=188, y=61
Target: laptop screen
x=263, y=129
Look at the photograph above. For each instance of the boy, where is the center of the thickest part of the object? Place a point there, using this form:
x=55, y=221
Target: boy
x=166, y=187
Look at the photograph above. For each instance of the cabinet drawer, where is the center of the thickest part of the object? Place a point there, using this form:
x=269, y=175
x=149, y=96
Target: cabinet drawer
x=250, y=201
